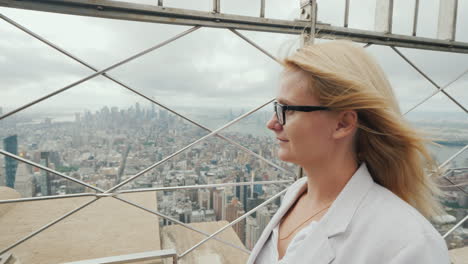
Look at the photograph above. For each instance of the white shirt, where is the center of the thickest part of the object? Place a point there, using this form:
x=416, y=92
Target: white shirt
x=269, y=253
x=366, y=224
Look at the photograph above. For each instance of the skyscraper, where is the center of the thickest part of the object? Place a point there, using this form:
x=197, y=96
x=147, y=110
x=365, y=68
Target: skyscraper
x=219, y=204
x=44, y=179
x=24, y=180
x=233, y=211
x=10, y=144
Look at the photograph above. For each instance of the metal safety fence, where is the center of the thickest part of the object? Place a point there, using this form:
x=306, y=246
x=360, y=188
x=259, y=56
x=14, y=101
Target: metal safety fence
x=307, y=26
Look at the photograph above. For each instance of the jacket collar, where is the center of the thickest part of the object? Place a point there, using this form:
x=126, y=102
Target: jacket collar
x=335, y=221
x=338, y=217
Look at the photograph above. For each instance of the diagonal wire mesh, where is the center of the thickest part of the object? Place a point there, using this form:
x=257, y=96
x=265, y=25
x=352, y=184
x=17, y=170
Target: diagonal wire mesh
x=104, y=73
x=85, y=79
x=111, y=191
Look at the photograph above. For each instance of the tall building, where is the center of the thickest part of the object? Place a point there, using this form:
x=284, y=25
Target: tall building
x=263, y=218
x=241, y=191
x=10, y=144
x=2, y=173
x=252, y=232
x=255, y=226
x=219, y=204
x=24, y=181
x=235, y=210
x=253, y=202
x=44, y=179
x=204, y=199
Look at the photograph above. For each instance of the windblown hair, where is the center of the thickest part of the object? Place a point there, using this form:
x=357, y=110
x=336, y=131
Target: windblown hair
x=344, y=77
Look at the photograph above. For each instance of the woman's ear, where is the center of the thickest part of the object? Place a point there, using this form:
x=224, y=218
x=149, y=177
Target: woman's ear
x=346, y=124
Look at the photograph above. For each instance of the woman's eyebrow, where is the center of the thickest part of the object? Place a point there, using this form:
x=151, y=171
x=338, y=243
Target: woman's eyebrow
x=283, y=101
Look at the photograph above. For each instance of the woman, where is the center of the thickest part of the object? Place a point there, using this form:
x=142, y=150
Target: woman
x=366, y=194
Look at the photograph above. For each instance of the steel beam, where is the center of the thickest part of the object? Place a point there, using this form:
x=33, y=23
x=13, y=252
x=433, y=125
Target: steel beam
x=157, y=14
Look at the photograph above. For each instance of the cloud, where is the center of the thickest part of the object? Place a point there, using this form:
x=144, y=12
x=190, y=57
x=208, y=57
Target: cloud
x=207, y=67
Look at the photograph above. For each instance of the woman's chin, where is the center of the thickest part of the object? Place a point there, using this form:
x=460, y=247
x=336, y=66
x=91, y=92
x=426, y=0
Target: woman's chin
x=284, y=156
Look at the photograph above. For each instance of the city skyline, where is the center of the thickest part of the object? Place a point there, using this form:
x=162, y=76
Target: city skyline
x=240, y=71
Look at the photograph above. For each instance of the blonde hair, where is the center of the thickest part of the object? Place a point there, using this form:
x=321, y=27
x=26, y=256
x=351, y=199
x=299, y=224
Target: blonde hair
x=345, y=77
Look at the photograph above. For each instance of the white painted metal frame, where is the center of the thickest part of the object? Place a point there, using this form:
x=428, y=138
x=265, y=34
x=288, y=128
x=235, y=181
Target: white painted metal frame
x=82, y=7
x=122, y=259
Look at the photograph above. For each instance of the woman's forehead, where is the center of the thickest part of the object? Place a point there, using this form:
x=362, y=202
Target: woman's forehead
x=295, y=88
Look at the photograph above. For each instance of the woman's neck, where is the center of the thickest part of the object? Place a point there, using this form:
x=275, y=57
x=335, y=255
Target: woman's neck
x=326, y=181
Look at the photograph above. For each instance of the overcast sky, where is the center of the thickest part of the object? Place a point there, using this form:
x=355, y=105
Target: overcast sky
x=210, y=67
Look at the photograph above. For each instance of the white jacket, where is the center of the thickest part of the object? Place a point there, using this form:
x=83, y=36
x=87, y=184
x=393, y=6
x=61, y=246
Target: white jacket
x=367, y=224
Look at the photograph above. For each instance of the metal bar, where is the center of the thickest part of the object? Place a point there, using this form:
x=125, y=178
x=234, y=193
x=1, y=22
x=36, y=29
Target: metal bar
x=180, y=223
x=300, y=173
x=458, y=186
x=100, y=72
x=444, y=176
x=390, y=17
x=216, y=6
x=447, y=19
x=190, y=187
x=188, y=146
x=386, y=39
x=129, y=258
x=415, y=17
x=255, y=45
x=47, y=226
x=233, y=222
x=454, y=27
x=383, y=16
x=147, y=13
x=262, y=8
x=41, y=198
x=436, y=92
x=6, y=153
x=453, y=156
x=106, y=75
x=309, y=37
x=455, y=227
x=429, y=79
x=346, y=14
x=6, y=258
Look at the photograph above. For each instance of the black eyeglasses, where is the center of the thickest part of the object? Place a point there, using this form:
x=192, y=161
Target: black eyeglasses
x=280, y=110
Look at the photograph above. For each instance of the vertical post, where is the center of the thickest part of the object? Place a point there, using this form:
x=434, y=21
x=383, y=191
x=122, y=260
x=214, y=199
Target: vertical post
x=383, y=16
x=309, y=12
x=262, y=8
x=415, y=17
x=447, y=19
x=160, y=2
x=216, y=6
x=300, y=173
x=346, y=14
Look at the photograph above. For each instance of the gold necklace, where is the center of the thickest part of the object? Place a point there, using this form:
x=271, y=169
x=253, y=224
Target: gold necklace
x=321, y=210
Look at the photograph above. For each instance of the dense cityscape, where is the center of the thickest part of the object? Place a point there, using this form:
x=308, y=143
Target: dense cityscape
x=106, y=147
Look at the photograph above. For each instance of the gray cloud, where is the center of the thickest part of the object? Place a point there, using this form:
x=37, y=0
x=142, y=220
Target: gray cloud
x=208, y=67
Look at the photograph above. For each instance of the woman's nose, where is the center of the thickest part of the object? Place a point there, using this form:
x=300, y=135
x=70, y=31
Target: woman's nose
x=273, y=124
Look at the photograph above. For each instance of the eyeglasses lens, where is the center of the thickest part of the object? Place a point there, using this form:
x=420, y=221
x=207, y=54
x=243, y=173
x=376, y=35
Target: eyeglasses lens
x=279, y=113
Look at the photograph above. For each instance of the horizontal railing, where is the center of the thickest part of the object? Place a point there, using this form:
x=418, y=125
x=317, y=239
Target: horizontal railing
x=197, y=19
x=143, y=256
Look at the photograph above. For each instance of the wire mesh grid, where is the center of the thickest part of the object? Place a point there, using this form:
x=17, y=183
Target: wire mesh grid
x=112, y=192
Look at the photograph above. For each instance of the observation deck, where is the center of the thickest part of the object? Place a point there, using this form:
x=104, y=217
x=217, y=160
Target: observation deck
x=133, y=131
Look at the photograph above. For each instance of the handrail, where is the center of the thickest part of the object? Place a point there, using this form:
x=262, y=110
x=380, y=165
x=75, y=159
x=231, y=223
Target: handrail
x=148, y=255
